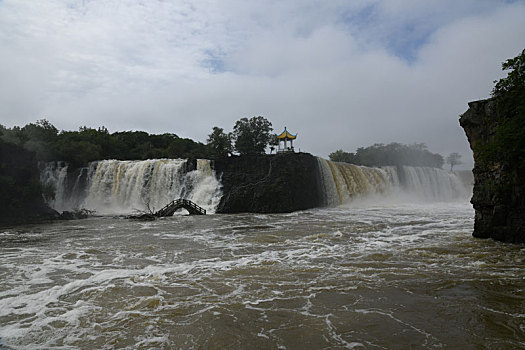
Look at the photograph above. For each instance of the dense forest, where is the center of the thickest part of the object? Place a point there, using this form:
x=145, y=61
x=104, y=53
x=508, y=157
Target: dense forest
x=87, y=144
x=392, y=154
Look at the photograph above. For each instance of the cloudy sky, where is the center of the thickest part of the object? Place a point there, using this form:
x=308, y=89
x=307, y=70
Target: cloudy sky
x=340, y=73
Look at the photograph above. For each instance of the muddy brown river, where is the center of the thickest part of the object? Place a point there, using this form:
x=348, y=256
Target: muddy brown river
x=372, y=276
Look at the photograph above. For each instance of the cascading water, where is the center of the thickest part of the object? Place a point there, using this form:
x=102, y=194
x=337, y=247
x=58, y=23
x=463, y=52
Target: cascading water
x=117, y=187
x=435, y=184
x=114, y=186
x=342, y=182
x=54, y=174
x=69, y=188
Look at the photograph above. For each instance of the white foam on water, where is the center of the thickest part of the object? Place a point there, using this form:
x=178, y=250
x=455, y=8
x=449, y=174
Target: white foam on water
x=178, y=282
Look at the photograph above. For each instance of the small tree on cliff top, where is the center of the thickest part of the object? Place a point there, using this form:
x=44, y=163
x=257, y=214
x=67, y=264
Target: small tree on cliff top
x=252, y=135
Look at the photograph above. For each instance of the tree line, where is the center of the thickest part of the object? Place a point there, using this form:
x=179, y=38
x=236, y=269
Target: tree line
x=249, y=136
x=395, y=154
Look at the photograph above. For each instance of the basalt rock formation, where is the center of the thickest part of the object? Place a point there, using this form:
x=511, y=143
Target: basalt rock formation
x=499, y=190
x=278, y=183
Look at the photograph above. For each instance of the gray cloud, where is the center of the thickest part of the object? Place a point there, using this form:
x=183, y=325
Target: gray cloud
x=341, y=75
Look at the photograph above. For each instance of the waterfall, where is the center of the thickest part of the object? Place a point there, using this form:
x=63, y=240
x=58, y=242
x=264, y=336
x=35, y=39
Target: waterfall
x=69, y=187
x=116, y=187
x=342, y=182
x=119, y=187
x=435, y=184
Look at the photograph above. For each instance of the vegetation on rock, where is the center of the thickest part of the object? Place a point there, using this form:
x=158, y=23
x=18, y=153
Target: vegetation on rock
x=393, y=154
x=508, y=145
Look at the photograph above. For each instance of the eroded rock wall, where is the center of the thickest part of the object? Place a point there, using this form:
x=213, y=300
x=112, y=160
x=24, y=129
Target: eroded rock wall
x=499, y=192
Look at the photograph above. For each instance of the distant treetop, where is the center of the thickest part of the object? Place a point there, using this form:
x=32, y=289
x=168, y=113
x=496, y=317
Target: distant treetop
x=392, y=154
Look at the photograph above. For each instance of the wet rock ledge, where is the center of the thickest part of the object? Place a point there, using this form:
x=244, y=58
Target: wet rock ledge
x=276, y=183
x=499, y=189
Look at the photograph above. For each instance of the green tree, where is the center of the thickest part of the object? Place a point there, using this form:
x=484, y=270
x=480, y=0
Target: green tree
x=515, y=79
x=39, y=138
x=454, y=159
x=219, y=142
x=130, y=145
x=77, y=150
x=342, y=156
x=252, y=135
x=509, y=135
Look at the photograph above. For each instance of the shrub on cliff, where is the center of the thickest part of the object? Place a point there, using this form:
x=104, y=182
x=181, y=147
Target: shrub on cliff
x=509, y=137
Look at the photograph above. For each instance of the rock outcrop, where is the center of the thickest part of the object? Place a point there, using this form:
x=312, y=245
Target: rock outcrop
x=499, y=190
x=278, y=183
x=21, y=198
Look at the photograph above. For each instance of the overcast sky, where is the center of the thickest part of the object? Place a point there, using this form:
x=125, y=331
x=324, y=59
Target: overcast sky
x=342, y=74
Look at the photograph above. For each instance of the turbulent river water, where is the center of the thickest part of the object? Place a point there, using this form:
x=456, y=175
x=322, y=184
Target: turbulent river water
x=389, y=264
x=369, y=275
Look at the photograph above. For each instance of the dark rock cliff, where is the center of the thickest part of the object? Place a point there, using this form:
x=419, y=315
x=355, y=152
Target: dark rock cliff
x=499, y=189
x=20, y=189
x=268, y=183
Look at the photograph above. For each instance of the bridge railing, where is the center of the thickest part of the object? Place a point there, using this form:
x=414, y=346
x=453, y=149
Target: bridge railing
x=180, y=203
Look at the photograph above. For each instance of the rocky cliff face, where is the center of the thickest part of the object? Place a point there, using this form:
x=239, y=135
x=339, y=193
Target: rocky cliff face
x=21, y=198
x=269, y=183
x=499, y=190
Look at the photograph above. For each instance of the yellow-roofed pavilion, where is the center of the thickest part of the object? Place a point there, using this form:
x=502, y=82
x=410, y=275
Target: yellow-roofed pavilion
x=284, y=137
